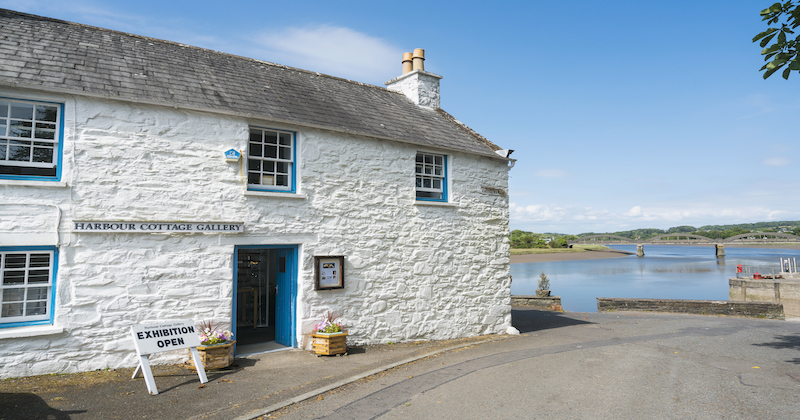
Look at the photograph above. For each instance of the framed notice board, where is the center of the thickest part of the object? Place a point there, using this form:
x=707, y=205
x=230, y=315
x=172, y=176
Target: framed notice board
x=328, y=272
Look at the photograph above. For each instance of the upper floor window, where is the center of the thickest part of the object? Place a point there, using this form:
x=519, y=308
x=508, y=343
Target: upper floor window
x=431, y=172
x=30, y=134
x=271, y=160
x=27, y=285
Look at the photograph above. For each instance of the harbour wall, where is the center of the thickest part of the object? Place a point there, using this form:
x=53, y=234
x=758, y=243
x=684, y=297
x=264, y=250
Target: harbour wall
x=768, y=309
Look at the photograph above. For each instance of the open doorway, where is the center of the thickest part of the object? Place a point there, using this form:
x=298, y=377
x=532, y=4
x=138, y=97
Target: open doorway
x=265, y=299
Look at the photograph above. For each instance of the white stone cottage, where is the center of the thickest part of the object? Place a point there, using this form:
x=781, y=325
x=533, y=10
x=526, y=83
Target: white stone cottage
x=119, y=204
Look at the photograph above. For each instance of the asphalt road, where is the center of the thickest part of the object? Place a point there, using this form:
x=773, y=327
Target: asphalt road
x=586, y=365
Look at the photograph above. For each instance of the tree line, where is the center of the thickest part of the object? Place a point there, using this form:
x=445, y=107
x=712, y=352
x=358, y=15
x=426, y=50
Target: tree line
x=523, y=239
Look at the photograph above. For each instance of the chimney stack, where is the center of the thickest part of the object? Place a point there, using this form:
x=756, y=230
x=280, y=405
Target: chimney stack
x=419, y=59
x=407, y=67
x=420, y=86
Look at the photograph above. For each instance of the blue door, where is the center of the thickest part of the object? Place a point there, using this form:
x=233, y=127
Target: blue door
x=284, y=297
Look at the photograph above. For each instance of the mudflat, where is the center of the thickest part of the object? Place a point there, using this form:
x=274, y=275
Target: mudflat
x=568, y=256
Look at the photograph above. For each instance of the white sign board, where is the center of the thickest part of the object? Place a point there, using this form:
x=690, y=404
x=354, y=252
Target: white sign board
x=171, y=335
x=158, y=227
x=165, y=336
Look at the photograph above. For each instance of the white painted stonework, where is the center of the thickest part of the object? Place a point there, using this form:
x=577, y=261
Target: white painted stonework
x=420, y=86
x=414, y=271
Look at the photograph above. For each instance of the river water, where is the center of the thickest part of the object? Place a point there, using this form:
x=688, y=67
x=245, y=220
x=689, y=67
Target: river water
x=665, y=272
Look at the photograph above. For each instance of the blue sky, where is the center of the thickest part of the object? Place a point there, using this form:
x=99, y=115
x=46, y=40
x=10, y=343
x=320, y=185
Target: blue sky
x=622, y=114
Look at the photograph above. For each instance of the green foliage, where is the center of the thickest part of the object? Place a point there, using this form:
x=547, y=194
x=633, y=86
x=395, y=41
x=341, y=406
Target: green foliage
x=560, y=242
x=682, y=229
x=527, y=240
x=783, y=52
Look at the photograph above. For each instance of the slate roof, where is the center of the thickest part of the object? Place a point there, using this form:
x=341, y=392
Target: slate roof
x=50, y=54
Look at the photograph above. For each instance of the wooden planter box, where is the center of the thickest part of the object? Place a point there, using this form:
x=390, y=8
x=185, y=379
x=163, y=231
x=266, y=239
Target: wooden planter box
x=328, y=344
x=217, y=356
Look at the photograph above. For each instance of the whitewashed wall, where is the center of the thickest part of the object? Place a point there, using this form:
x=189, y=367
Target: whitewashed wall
x=413, y=271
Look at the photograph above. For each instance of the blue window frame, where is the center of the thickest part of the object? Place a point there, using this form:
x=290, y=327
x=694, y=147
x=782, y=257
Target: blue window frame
x=27, y=285
x=271, y=158
x=31, y=143
x=431, y=177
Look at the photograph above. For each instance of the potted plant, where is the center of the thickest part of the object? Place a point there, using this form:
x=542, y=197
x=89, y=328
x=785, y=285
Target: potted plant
x=216, y=346
x=544, y=286
x=328, y=336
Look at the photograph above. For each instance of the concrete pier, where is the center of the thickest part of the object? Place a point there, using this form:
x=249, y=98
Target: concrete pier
x=640, y=250
x=785, y=291
x=720, y=250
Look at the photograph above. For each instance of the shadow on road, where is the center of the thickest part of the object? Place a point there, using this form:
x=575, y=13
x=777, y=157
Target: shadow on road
x=528, y=319
x=791, y=342
x=30, y=406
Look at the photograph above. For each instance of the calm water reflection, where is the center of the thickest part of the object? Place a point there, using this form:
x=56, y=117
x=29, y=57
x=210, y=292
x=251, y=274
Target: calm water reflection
x=667, y=272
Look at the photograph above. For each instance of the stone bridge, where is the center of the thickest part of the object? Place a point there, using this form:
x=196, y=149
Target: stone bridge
x=688, y=239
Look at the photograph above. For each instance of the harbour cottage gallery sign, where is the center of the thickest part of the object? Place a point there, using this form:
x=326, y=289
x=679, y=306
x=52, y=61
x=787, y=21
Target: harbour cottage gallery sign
x=157, y=227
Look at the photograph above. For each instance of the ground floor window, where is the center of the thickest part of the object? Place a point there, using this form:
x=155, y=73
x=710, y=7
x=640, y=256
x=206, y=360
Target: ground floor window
x=27, y=279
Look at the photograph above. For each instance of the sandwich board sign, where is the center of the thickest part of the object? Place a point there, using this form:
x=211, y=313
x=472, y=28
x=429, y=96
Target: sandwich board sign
x=165, y=336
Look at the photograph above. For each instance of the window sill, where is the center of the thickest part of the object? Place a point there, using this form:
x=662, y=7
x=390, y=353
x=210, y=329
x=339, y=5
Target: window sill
x=32, y=331
x=33, y=183
x=254, y=193
x=434, y=203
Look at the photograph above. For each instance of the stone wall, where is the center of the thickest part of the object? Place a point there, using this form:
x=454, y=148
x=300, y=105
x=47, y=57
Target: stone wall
x=784, y=291
x=413, y=270
x=550, y=302
x=698, y=307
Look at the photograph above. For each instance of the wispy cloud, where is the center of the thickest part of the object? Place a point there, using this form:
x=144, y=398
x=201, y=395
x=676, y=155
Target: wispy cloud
x=551, y=173
x=635, y=211
x=776, y=161
x=333, y=50
x=756, y=105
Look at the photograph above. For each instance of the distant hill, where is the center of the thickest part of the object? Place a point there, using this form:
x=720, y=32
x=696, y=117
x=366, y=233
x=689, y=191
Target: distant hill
x=522, y=239
x=752, y=226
